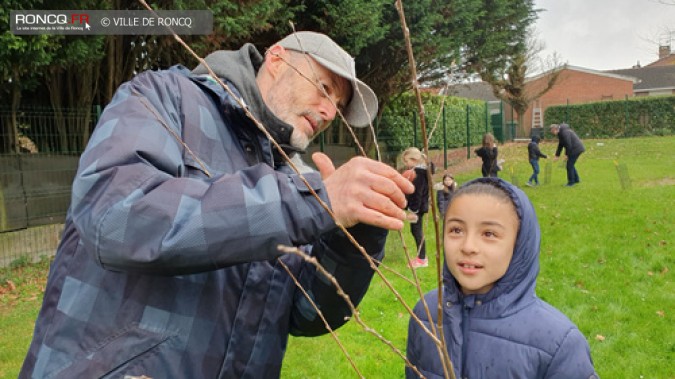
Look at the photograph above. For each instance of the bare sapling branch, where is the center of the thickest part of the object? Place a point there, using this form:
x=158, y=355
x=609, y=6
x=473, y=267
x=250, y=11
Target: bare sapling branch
x=443, y=351
x=420, y=293
x=440, y=112
x=341, y=293
x=325, y=322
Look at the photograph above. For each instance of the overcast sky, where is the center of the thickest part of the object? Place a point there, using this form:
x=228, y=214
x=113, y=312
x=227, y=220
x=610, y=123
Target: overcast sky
x=605, y=34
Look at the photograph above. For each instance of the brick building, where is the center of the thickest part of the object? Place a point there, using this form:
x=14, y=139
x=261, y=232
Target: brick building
x=575, y=85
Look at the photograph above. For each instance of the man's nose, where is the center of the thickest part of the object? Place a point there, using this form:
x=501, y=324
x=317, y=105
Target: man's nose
x=328, y=110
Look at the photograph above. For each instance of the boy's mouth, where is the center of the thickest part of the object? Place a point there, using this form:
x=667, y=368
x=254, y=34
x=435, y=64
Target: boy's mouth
x=469, y=268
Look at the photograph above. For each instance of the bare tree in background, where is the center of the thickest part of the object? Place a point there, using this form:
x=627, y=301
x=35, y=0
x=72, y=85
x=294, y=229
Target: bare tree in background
x=510, y=85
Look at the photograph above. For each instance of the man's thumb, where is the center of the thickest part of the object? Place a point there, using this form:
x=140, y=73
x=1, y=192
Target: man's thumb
x=323, y=164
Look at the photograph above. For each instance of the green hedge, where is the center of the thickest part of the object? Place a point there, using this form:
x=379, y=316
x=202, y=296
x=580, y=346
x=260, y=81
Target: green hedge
x=639, y=116
x=396, y=128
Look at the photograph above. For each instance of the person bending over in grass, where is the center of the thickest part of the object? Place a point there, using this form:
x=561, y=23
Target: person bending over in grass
x=568, y=140
x=494, y=324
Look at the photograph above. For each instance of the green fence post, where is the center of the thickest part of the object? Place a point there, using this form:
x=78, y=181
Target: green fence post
x=445, y=142
x=501, y=113
x=468, y=134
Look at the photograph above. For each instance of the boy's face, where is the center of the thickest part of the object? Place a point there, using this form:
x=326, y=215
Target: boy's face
x=480, y=234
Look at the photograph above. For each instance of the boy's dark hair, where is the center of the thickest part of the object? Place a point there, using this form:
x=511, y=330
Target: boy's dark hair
x=484, y=186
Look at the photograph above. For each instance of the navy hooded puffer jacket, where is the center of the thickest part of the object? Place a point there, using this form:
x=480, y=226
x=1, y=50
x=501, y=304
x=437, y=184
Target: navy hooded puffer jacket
x=508, y=332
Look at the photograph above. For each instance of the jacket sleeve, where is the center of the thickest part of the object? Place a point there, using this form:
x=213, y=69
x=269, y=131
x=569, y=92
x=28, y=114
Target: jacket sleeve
x=572, y=360
x=137, y=209
x=421, y=350
x=538, y=152
x=348, y=266
x=440, y=202
x=563, y=142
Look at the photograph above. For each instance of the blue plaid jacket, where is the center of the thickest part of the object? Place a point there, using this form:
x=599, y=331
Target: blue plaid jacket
x=169, y=272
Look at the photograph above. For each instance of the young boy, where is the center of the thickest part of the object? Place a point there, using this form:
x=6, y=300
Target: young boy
x=533, y=155
x=493, y=322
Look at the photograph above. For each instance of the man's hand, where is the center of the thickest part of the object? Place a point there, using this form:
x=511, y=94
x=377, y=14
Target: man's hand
x=365, y=191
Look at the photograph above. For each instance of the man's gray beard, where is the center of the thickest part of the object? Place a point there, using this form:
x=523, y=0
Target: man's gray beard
x=299, y=140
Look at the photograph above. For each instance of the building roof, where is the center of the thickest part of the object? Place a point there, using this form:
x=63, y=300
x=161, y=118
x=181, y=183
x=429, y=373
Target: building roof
x=609, y=74
x=668, y=60
x=473, y=90
x=650, y=78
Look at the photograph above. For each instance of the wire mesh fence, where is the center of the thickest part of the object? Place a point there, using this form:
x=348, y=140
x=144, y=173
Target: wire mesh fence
x=39, y=151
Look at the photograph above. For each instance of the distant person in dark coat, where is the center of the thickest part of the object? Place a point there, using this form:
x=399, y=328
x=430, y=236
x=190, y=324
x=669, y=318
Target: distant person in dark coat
x=573, y=146
x=488, y=153
x=533, y=155
x=418, y=201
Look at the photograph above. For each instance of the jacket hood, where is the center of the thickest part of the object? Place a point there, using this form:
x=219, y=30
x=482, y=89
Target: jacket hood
x=240, y=68
x=517, y=287
x=535, y=139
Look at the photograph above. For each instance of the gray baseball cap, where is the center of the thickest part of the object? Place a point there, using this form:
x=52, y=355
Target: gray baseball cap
x=330, y=55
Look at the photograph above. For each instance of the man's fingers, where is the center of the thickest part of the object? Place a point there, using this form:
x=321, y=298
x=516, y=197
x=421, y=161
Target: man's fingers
x=389, y=189
x=389, y=172
x=323, y=164
x=366, y=191
x=379, y=219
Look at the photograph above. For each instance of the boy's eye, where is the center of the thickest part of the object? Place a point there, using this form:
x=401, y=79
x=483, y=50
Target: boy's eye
x=454, y=230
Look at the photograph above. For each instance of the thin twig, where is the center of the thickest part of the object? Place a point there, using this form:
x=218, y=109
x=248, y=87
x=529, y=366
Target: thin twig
x=323, y=318
x=443, y=351
x=341, y=293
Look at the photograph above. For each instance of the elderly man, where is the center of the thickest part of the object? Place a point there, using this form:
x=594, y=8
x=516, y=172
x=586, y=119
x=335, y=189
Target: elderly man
x=573, y=146
x=169, y=266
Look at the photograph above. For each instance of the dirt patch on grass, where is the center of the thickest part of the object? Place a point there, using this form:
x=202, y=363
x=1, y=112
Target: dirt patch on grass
x=457, y=161
x=660, y=182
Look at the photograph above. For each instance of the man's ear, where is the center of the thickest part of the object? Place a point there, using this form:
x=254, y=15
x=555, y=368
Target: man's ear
x=275, y=60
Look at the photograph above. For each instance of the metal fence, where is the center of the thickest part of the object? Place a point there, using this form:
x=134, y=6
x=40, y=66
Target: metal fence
x=39, y=151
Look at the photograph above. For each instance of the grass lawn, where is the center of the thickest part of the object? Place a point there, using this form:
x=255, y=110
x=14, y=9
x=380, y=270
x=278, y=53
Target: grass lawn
x=607, y=251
